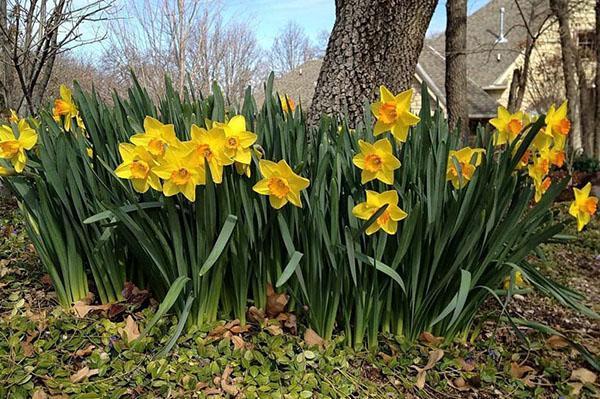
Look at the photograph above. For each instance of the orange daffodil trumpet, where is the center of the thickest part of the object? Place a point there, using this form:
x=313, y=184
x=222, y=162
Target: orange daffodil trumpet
x=12, y=148
x=280, y=183
x=64, y=107
x=462, y=165
x=584, y=206
x=376, y=161
x=388, y=220
x=393, y=114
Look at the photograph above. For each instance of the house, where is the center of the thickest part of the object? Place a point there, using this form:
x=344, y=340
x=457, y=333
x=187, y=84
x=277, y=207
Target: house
x=496, y=38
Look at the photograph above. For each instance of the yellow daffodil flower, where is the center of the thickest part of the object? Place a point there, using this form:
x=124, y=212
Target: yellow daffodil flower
x=541, y=187
x=519, y=281
x=584, y=206
x=388, y=220
x=208, y=146
x=13, y=117
x=13, y=148
x=181, y=172
x=138, y=166
x=65, y=107
x=542, y=140
x=376, y=161
x=508, y=125
x=287, y=104
x=280, y=183
x=393, y=113
x=554, y=156
x=539, y=169
x=468, y=159
x=90, y=152
x=238, y=140
x=5, y=172
x=558, y=124
x=157, y=137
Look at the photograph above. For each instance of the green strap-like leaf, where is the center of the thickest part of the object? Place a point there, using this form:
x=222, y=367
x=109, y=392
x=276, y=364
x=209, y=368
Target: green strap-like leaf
x=289, y=269
x=220, y=245
x=167, y=303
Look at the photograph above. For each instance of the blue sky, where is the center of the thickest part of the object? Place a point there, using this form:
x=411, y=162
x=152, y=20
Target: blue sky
x=269, y=16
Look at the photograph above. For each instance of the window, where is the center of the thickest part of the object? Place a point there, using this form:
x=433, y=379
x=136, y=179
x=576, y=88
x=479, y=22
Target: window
x=586, y=43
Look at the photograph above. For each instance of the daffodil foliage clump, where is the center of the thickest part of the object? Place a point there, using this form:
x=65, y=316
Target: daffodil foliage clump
x=393, y=226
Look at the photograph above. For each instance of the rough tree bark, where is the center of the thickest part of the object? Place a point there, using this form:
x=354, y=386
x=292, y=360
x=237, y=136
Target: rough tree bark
x=456, y=66
x=597, y=89
x=4, y=66
x=560, y=9
x=373, y=42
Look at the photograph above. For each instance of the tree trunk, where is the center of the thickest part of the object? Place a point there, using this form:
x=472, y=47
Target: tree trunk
x=456, y=66
x=373, y=43
x=560, y=9
x=597, y=113
x=4, y=65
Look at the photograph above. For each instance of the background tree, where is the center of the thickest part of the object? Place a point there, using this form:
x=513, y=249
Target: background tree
x=291, y=48
x=373, y=42
x=456, y=65
x=33, y=33
x=560, y=8
x=597, y=81
x=535, y=17
x=182, y=38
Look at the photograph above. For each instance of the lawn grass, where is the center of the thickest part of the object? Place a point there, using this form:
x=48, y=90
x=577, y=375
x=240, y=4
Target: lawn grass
x=46, y=352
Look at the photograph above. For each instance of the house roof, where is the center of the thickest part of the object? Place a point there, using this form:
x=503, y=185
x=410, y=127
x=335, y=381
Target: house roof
x=300, y=83
x=489, y=59
x=432, y=70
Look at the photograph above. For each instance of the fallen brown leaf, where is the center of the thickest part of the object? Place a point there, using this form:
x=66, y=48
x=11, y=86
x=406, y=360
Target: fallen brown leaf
x=466, y=365
x=576, y=388
x=274, y=329
x=460, y=384
x=313, y=339
x=584, y=376
x=275, y=302
x=238, y=342
x=39, y=394
x=434, y=357
x=518, y=371
x=82, y=374
x=131, y=330
x=85, y=351
x=256, y=315
x=83, y=307
x=229, y=388
x=430, y=339
x=557, y=342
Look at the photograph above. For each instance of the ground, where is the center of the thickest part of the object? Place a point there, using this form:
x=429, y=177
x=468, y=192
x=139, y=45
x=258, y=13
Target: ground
x=46, y=352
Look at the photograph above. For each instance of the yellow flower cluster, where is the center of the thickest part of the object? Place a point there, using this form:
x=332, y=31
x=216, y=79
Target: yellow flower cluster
x=157, y=159
x=547, y=148
x=13, y=146
x=65, y=109
x=378, y=162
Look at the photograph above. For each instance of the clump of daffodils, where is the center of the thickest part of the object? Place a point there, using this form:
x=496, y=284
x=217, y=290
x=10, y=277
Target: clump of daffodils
x=545, y=151
x=158, y=159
